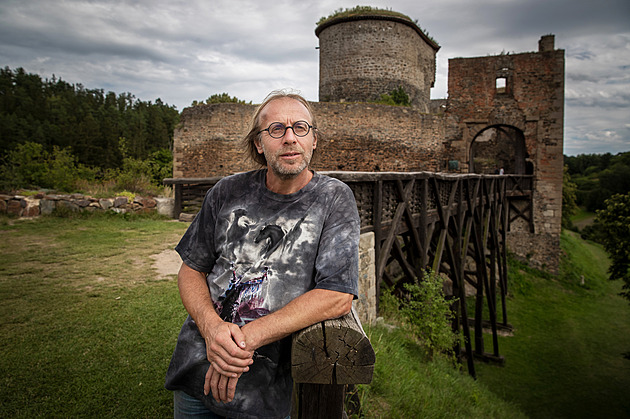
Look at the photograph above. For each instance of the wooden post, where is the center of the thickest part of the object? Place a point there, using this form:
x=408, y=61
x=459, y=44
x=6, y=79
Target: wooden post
x=324, y=358
x=177, y=206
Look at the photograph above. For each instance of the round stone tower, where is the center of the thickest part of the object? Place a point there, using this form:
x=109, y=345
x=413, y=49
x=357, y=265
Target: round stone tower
x=366, y=55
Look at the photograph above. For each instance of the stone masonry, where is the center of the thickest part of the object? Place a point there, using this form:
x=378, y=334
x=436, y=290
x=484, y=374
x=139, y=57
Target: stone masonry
x=519, y=97
x=362, y=58
x=45, y=204
x=532, y=105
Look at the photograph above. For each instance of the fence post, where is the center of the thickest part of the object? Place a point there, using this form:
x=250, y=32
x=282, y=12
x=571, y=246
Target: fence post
x=324, y=358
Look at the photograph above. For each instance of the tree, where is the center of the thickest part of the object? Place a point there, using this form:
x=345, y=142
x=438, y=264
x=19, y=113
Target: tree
x=221, y=98
x=614, y=221
x=569, y=203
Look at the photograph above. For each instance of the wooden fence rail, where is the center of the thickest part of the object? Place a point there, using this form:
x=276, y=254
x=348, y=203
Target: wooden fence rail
x=456, y=225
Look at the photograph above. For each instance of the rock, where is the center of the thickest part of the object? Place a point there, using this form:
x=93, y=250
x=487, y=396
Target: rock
x=46, y=206
x=106, y=203
x=32, y=207
x=165, y=206
x=186, y=217
x=15, y=207
x=119, y=201
x=67, y=205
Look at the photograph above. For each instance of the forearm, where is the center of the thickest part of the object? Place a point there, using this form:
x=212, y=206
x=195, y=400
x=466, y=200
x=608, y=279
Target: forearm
x=225, y=343
x=312, y=307
x=195, y=296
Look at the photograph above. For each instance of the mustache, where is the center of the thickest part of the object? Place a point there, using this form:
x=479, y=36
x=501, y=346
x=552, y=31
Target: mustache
x=291, y=149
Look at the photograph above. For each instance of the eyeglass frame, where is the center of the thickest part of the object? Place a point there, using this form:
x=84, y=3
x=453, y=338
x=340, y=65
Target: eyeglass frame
x=286, y=127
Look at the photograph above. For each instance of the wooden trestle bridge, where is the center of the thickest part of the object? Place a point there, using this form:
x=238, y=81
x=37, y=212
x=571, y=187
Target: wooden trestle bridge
x=456, y=225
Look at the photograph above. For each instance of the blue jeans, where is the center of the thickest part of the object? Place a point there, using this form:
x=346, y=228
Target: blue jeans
x=188, y=407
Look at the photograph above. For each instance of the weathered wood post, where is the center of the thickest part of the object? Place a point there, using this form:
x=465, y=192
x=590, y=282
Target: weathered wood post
x=325, y=358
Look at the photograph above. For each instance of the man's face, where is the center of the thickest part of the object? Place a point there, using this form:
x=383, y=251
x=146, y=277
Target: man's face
x=290, y=155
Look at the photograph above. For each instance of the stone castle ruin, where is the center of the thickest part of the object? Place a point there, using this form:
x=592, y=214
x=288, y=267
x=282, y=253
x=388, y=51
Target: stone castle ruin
x=504, y=111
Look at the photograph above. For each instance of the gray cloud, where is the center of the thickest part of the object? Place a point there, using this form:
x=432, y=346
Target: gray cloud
x=182, y=51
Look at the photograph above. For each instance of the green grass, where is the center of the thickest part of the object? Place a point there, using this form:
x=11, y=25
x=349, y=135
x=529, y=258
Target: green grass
x=583, y=218
x=88, y=331
x=407, y=385
x=566, y=356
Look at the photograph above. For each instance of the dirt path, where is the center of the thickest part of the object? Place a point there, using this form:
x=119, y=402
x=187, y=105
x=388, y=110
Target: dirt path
x=584, y=222
x=166, y=263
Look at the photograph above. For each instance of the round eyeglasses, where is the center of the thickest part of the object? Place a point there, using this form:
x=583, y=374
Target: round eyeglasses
x=278, y=129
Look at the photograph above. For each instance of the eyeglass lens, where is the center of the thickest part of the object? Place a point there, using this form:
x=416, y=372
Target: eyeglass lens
x=278, y=129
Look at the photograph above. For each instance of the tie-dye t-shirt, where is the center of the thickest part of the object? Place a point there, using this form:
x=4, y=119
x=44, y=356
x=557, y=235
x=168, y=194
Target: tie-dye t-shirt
x=261, y=250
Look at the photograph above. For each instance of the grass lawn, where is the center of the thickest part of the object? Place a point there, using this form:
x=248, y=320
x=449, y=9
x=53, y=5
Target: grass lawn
x=87, y=330
x=566, y=358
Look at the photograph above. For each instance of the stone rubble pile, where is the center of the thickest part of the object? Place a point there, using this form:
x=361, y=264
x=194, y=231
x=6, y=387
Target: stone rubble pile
x=44, y=204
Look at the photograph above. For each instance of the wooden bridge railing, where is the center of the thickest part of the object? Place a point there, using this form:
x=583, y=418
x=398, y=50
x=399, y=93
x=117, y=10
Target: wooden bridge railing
x=325, y=358
x=455, y=225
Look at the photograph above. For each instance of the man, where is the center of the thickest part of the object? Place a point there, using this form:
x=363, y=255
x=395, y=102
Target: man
x=271, y=252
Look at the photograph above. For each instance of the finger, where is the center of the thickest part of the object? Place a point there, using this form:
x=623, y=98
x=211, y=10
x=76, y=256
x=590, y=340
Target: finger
x=238, y=336
x=224, y=368
x=227, y=343
x=218, y=355
x=231, y=389
x=214, y=385
x=206, y=383
x=223, y=384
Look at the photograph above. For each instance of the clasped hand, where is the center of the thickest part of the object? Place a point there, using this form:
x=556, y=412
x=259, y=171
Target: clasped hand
x=229, y=358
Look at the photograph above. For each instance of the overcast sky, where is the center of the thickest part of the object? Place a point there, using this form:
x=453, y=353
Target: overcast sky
x=180, y=51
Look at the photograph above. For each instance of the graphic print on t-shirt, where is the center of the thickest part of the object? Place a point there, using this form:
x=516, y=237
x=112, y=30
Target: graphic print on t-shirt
x=252, y=245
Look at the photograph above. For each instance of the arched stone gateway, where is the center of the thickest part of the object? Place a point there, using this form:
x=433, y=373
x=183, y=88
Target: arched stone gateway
x=498, y=147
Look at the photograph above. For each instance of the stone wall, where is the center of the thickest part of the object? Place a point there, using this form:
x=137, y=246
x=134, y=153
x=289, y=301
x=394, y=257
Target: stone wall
x=375, y=138
x=208, y=140
x=356, y=137
x=45, y=204
x=363, y=57
x=532, y=105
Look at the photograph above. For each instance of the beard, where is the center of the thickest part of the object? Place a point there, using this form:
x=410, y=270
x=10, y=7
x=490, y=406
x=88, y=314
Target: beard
x=287, y=170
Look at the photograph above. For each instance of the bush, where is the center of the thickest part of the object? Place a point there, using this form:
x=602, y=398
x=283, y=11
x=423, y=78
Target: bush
x=397, y=97
x=426, y=312
x=30, y=166
x=614, y=220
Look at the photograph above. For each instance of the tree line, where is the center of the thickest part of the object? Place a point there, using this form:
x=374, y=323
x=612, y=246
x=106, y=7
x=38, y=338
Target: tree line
x=598, y=177
x=600, y=183
x=51, y=119
x=53, y=112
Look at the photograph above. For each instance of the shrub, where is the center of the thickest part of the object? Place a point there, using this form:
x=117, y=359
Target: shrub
x=430, y=314
x=614, y=220
x=426, y=311
x=397, y=97
x=30, y=166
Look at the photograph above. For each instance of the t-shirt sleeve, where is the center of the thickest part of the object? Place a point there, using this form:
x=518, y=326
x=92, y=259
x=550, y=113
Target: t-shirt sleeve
x=196, y=248
x=337, y=261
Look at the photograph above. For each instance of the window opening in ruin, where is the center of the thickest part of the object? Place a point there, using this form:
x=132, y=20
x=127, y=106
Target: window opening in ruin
x=501, y=85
